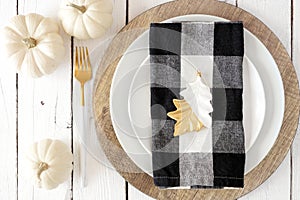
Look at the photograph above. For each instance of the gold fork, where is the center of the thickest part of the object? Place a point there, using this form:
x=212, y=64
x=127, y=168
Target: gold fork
x=83, y=69
x=83, y=73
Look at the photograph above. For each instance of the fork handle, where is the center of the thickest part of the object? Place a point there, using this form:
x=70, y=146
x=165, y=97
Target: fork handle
x=82, y=94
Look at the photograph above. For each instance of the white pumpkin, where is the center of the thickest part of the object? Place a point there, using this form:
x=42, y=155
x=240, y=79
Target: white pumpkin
x=86, y=19
x=49, y=163
x=33, y=44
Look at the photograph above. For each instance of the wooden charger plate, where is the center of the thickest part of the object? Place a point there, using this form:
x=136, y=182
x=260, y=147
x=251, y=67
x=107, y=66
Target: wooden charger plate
x=110, y=144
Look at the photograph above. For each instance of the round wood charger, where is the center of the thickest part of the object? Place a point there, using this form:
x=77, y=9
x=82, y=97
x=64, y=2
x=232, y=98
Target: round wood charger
x=110, y=144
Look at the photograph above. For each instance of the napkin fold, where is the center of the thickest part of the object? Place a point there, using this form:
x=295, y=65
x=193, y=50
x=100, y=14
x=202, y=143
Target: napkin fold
x=215, y=156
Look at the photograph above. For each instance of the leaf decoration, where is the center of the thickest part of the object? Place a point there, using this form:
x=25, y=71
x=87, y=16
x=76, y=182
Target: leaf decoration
x=186, y=119
x=199, y=97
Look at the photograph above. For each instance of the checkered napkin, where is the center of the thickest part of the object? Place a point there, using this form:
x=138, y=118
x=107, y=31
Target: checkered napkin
x=215, y=156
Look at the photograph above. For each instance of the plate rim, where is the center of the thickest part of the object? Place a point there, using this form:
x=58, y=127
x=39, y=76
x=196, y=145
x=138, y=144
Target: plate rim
x=132, y=155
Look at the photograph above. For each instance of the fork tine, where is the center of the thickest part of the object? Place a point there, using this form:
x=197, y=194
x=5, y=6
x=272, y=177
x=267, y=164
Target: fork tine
x=76, y=58
x=80, y=58
x=88, y=59
x=83, y=71
x=83, y=58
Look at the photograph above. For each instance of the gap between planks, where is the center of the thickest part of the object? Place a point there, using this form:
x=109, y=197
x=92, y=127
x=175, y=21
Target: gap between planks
x=72, y=126
x=17, y=121
x=126, y=22
x=292, y=57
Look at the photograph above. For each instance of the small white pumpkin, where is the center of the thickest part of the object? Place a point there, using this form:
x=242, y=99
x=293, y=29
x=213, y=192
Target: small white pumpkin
x=33, y=44
x=86, y=19
x=49, y=163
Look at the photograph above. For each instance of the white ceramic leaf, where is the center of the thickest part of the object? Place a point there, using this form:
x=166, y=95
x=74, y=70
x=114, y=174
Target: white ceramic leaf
x=198, y=95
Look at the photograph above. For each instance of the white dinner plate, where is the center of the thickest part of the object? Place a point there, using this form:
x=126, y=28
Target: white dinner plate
x=262, y=61
x=139, y=101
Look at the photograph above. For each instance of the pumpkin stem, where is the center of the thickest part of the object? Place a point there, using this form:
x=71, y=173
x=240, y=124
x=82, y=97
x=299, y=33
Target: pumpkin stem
x=199, y=73
x=29, y=42
x=82, y=9
x=42, y=167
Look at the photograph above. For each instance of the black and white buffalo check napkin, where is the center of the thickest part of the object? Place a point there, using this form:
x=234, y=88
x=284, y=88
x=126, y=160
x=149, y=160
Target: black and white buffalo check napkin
x=215, y=157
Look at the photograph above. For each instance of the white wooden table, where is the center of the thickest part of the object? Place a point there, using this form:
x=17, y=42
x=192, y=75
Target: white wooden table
x=31, y=110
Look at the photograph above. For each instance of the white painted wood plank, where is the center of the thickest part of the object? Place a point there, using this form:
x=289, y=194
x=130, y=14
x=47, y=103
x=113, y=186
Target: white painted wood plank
x=135, y=194
x=296, y=34
x=136, y=7
x=8, y=163
x=276, y=15
x=44, y=108
x=296, y=146
x=102, y=182
x=233, y=2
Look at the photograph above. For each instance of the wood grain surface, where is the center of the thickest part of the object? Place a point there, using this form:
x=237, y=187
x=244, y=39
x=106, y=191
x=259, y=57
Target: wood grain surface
x=101, y=105
x=8, y=125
